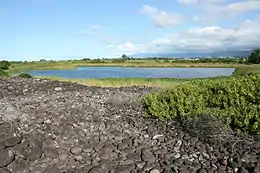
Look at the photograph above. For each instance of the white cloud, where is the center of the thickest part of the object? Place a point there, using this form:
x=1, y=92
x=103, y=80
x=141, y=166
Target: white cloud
x=131, y=48
x=162, y=18
x=232, y=9
x=216, y=11
x=203, y=39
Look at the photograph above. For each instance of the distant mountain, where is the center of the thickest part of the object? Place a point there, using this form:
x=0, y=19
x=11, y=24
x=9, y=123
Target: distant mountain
x=194, y=54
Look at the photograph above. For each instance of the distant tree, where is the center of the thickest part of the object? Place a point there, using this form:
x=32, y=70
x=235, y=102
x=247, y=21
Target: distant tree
x=124, y=56
x=254, y=57
x=5, y=65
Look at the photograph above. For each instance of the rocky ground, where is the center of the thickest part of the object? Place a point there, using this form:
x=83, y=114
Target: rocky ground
x=48, y=126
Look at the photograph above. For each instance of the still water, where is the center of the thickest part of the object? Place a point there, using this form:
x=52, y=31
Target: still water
x=123, y=72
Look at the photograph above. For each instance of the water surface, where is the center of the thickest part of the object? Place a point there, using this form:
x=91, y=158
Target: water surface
x=129, y=72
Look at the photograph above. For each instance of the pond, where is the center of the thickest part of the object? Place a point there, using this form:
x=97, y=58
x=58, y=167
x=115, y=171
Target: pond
x=127, y=72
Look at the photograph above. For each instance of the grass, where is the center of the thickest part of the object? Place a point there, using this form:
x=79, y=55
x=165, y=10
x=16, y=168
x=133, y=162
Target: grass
x=254, y=69
x=120, y=82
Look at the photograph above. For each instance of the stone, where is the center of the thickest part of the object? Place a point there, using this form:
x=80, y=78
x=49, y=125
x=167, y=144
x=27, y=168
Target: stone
x=57, y=89
x=10, y=142
x=157, y=136
x=256, y=169
x=2, y=146
x=75, y=150
x=242, y=170
x=88, y=149
x=122, y=146
x=53, y=169
x=224, y=161
x=205, y=155
x=4, y=170
x=154, y=171
x=148, y=157
x=140, y=164
x=202, y=170
x=21, y=168
x=6, y=157
x=124, y=168
x=97, y=169
x=133, y=156
x=36, y=152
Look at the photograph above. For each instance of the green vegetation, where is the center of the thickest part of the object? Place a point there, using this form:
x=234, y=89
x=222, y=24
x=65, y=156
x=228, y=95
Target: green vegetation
x=254, y=57
x=236, y=100
x=4, y=66
x=121, y=82
x=250, y=69
x=24, y=75
x=3, y=73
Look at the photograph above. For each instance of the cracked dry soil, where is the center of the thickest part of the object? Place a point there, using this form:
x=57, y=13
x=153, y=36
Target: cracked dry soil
x=50, y=127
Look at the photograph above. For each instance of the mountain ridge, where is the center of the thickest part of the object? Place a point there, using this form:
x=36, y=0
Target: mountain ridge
x=194, y=54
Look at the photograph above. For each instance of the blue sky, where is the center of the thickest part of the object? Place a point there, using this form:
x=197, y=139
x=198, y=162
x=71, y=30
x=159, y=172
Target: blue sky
x=66, y=29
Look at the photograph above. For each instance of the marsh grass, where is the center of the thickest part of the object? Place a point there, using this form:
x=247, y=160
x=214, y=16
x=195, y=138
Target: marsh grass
x=121, y=82
x=250, y=69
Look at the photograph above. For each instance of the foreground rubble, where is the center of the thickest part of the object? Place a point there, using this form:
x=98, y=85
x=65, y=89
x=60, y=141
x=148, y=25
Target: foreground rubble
x=49, y=126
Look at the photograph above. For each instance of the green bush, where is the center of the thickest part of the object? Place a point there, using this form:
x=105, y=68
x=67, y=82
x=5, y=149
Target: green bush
x=236, y=100
x=4, y=65
x=25, y=75
x=3, y=73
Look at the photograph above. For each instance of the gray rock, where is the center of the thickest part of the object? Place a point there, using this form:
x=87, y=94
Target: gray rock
x=6, y=157
x=87, y=149
x=57, y=89
x=154, y=171
x=157, y=136
x=12, y=141
x=140, y=164
x=4, y=170
x=2, y=146
x=53, y=169
x=122, y=146
x=75, y=150
x=97, y=169
x=124, y=168
x=148, y=157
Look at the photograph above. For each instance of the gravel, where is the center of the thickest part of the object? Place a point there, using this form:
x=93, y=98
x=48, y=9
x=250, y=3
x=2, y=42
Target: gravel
x=51, y=126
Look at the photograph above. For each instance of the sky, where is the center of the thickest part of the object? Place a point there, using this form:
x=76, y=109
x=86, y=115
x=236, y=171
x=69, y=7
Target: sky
x=75, y=29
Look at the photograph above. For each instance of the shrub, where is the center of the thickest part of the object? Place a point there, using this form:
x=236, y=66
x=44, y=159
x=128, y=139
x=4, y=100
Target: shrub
x=236, y=100
x=4, y=65
x=25, y=75
x=3, y=73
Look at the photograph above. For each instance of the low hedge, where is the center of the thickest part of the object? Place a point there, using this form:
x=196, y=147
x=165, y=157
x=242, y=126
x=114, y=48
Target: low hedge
x=236, y=100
